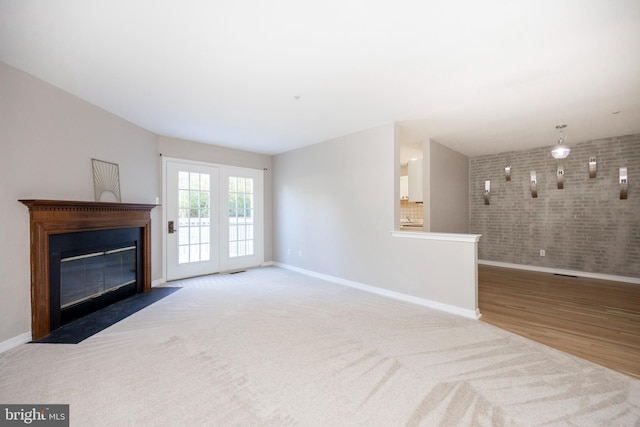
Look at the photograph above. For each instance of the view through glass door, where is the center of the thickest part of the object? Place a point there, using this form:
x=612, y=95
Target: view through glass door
x=242, y=230
x=192, y=220
x=214, y=218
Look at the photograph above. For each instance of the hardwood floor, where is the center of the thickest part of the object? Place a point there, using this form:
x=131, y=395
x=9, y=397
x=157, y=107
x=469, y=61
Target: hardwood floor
x=593, y=319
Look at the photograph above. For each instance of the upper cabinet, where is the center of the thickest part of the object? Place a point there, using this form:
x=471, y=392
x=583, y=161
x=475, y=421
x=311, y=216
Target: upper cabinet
x=404, y=187
x=415, y=181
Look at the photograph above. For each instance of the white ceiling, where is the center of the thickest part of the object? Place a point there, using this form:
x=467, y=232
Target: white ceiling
x=478, y=76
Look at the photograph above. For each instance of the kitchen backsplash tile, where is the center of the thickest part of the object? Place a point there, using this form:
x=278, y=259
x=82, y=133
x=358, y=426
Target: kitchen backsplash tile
x=410, y=209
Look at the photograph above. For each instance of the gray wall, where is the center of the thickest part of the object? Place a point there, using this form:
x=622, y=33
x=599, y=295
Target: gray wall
x=584, y=227
x=189, y=150
x=335, y=205
x=48, y=139
x=447, y=180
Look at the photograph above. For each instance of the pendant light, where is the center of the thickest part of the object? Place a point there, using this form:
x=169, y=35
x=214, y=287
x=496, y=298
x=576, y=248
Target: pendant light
x=560, y=150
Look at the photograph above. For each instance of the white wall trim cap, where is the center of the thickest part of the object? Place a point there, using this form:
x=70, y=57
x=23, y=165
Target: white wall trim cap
x=447, y=237
x=625, y=279
x=471, y=314
x=15, y=341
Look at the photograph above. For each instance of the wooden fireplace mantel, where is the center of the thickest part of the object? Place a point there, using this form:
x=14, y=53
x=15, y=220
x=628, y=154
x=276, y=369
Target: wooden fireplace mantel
x=63, y=216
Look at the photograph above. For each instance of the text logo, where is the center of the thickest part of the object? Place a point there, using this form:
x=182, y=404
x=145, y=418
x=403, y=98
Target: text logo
x=34, y=415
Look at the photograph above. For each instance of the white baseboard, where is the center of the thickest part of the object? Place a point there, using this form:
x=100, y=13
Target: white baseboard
x=267, y=264
x=625, y=279
x=158, y=282
x=472, y=314
x=15, y=341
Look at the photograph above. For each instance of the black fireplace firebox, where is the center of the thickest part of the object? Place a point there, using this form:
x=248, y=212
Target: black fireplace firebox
x=89, y=270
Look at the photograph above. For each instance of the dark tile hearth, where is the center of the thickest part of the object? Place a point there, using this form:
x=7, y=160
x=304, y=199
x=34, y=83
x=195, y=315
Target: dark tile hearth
x=81, y=329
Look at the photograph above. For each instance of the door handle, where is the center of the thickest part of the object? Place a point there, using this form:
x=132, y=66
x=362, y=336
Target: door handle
x=171, y=228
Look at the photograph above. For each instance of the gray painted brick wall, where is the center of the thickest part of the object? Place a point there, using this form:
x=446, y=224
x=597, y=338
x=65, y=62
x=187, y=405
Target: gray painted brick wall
x=583, y=227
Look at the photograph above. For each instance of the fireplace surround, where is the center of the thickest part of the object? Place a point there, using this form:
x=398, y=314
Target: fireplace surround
x=60, y=217
x=89, y=270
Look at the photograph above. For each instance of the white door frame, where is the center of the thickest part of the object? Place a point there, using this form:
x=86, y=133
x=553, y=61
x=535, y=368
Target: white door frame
x=188, y=267
x=225, y=263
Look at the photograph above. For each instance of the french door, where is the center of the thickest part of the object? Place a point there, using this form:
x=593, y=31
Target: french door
x=192, y=209
x=213, y=218
x=241, y=231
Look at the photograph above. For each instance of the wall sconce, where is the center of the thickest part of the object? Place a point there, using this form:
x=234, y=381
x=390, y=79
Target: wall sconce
x=623, y=183
x=507, y=173
x=487, y=191
x=560, y=177
x=592, y=167
x=534, y=185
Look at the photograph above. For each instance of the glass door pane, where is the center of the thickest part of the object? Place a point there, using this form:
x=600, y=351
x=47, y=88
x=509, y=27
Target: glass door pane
x=194, y=217
x=241, y=218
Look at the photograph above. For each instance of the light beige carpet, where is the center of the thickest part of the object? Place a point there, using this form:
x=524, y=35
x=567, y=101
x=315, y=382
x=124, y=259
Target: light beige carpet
x=270, y=347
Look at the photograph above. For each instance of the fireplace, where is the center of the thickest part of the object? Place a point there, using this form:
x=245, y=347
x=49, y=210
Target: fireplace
x=89, y=270
x=84, y=256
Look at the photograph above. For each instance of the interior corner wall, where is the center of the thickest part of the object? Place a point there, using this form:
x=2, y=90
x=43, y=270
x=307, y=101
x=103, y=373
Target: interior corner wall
x=334, y=204
x=583, y=227
x=448, y=189
x=189, y=150
x=48, y=140
x=334, y=209
x=397, y=171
